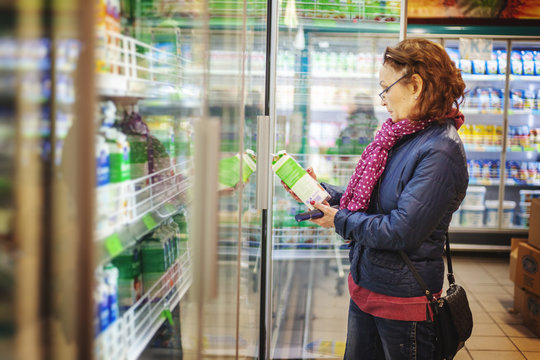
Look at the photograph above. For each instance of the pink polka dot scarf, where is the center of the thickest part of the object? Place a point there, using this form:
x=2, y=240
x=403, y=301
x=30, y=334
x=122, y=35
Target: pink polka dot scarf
x=373, y=160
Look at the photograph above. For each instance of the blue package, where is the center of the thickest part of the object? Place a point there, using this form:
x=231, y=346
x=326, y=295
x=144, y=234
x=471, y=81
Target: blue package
x=501, y=61
x=492, y=66
x=529, y=100
x=465, y=66
x=479, y=67
x=516, y=63
x=528, y=62
x=495, y=98
x=536, y=59
x=483, y=99
x=516, y=99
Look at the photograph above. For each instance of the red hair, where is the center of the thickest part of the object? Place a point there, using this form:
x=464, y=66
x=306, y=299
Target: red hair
x=443, y=85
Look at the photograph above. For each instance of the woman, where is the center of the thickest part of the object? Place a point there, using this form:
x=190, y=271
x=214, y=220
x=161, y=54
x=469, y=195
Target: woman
x=403, y=192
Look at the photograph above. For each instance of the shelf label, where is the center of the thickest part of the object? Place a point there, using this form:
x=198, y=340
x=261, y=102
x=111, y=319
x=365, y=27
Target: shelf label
x=149, y=221
x=168, y=315
x=113, y=245
x=477, y=49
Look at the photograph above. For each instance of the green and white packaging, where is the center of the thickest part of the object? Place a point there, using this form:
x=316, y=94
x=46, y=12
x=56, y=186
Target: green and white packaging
x=298, y=180
x=229, y=169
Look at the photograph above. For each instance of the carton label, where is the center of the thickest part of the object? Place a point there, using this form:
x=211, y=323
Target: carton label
x=529, y=264
x=290, y=172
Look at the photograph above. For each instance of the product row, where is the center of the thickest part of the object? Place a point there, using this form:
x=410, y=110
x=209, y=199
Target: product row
x=140, y=163
x=476, y=211
x=522, y=62
x=491, y=100
x=131, y=274
x=487, y=172
x=489, y=137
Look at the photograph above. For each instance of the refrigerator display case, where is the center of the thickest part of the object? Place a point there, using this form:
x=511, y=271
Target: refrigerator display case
x=180, y=89
x=327, y=111
x=500, y=132
x=130, y=174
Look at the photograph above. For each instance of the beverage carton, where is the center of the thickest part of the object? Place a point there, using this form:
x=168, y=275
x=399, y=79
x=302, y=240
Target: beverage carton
x=298, y=180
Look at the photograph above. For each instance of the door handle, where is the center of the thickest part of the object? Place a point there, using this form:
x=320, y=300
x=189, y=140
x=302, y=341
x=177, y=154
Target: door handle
x=263, y=160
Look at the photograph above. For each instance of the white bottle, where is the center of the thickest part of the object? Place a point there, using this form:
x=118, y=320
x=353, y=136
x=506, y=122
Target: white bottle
x=102, y=301
x=111, y=282
x=102, y=161
x=116, y=210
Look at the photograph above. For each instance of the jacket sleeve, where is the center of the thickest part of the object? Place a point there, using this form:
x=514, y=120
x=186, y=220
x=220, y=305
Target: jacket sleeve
x=335, y=193
x=424, y=201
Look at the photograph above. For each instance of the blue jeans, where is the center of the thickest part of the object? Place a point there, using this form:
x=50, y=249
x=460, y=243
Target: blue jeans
x=370, y=337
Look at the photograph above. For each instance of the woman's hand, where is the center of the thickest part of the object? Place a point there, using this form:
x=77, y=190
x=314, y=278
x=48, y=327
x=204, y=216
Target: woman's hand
x=311, y=173
x=327, y=221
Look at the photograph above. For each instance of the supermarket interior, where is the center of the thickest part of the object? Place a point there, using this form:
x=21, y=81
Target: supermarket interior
x=142, y=214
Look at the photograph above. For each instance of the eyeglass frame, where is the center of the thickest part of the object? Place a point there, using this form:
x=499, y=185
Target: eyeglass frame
x=382, y=93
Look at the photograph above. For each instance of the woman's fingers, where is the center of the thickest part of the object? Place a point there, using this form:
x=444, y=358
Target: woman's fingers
x=327, y=220
x=311, y=172
x=290, y=192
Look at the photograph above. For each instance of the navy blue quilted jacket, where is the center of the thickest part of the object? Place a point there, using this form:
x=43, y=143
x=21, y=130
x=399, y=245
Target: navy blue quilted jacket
x=424, y=182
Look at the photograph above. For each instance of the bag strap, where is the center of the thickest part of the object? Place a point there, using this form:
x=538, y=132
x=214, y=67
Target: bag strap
x=417, y=276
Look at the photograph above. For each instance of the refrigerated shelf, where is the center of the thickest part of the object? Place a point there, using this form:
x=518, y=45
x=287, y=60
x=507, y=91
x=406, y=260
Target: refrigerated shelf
x=128, y=336
x=130, y=68
x=147, y=207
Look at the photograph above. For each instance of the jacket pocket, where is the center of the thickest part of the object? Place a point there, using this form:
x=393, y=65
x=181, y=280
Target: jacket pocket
x=386, y=266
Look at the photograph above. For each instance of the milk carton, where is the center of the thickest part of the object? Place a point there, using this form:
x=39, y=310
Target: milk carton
x=298, y=180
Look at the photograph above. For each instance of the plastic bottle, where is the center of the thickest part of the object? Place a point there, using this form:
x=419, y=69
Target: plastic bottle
x=108, y=114
x=102, y=161
x=102, y=301
x=116, y=155
x=111, y=282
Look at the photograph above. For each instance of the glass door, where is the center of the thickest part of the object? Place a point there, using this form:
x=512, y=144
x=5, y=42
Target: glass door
x=220, y=317
x=482, y=133
x=149, y=81
x=522, y=179
x=499, y=133
x=329, y=55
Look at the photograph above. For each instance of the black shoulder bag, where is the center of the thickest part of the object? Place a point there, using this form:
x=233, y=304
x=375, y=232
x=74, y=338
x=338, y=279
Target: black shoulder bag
x=452, y=315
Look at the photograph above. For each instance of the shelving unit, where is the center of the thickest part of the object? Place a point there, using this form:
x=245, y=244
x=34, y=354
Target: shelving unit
x=135, y=73
x=127, y=337
x=138, y=70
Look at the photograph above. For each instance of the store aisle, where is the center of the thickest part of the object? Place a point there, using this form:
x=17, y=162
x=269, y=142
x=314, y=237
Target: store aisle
x=497, y=334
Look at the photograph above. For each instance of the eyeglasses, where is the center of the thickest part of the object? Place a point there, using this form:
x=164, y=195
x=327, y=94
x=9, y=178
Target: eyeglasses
x=382, y=94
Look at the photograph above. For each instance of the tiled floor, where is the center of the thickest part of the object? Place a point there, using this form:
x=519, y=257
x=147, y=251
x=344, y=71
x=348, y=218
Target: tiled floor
x=498, y=332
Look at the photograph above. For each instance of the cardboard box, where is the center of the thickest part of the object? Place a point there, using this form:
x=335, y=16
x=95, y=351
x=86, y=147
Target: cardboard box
x=534, y=223
x=519, y=299
x=530, y=312
x=527, y=274
x=514, y=244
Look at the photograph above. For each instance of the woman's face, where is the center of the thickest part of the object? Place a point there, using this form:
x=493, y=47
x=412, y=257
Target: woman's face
x=399, y=99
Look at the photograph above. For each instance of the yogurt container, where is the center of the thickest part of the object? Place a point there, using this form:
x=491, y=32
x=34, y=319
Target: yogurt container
x=492, y=207
x=475, y=196
x=528, y=195
x=525, y=208
x=472, y=215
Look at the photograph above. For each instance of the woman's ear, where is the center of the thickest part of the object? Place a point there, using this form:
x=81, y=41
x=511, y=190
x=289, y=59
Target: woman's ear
x=417, y=84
